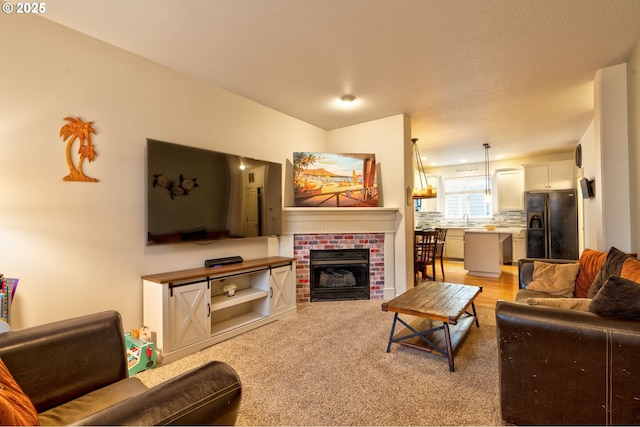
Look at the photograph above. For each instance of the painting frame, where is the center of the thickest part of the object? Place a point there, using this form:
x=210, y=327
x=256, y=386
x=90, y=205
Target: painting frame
x=324, y=179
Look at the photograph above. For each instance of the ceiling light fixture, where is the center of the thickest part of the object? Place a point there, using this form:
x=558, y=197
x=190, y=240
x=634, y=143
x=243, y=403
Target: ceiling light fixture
x=424, y=190
x=347, y=99
x=487, y=191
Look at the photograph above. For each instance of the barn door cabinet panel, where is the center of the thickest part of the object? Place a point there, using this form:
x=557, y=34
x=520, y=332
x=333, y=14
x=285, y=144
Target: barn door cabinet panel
x=282, y=290
x=189, y=310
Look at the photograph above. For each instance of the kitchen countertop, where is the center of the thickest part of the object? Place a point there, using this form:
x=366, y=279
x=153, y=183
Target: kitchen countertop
x=479, y=229
x=496, y=230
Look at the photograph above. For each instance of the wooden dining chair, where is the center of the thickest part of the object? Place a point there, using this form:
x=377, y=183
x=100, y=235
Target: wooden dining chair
x=442, y=236
x=425, y=254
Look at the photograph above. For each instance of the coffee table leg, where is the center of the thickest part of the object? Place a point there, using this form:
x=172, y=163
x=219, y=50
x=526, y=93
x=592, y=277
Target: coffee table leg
x=475, y=316
x=393, y=329
x=447, y=336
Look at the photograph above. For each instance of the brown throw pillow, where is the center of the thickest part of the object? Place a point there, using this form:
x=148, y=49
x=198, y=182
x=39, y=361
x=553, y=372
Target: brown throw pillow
x=612, y=266
x=554, y=279
x=618, y=297
x=590, y=264
x=16, y=408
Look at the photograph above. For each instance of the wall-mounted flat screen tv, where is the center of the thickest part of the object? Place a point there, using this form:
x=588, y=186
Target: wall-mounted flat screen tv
x=196, y=195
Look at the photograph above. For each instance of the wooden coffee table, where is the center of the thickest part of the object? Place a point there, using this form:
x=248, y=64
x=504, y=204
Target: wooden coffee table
x=434, y=302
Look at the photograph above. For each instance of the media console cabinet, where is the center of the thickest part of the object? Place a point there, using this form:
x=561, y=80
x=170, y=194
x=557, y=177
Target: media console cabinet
x=188, y=310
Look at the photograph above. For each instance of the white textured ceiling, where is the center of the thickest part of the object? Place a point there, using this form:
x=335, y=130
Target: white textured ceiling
x=517, y=74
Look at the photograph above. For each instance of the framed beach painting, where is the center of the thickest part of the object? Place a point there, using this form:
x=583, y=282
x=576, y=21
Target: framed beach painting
x=334, y=179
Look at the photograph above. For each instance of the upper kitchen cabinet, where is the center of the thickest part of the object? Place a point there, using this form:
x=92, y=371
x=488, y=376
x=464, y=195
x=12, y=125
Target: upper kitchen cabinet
x=510, y=188
x=549, y=176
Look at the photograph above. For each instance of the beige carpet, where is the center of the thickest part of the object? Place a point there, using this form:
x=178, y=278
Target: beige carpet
x=328, y=365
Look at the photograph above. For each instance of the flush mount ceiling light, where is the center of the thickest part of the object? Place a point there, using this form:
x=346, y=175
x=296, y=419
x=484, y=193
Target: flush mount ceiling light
x=347, y=99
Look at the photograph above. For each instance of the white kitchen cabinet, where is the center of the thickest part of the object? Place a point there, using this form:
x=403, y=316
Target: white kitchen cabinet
x=188, y=310
x=519, y=247
x=510, y=186
x=454, y=243
x=549, y=176
x=483, y=252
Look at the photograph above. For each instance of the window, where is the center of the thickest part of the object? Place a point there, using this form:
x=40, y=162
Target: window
x=466, y=196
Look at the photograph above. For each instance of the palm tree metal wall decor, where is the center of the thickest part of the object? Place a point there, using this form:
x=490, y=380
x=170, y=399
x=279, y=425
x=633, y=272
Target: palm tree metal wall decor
x=79, y=130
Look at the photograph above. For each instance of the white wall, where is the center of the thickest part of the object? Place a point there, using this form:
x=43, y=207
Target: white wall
x=386, y=138
x=609, y=157
x=633, y=105
x=612, y=165
x=80, y=247
x=591, y=208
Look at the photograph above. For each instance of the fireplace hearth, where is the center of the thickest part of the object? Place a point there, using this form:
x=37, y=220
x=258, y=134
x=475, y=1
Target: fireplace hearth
x=339, y=274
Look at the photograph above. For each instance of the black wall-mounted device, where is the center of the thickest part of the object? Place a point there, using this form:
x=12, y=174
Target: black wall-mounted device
x=586, y=186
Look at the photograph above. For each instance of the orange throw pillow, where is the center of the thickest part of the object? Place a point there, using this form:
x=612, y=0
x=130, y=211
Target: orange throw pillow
x=590, y=263
x=16, y=408
x=631, y=270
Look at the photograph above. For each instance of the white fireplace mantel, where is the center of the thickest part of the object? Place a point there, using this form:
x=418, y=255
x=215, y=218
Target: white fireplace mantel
x=339, y=220
x=348, y=220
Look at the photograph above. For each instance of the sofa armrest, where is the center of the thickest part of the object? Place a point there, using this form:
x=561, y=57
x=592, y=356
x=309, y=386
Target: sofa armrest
x=207, y=395
x=525, y=268
x=560, y=366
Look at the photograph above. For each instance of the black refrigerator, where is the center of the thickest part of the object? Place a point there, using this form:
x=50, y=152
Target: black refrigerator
x=552, y=224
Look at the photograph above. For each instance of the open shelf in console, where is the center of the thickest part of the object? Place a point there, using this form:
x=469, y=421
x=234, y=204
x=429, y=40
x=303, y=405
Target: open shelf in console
x=249, y=304
x=245, y=295
x=237, y=321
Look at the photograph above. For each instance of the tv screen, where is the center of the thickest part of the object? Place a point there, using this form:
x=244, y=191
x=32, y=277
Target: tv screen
x=195, y=194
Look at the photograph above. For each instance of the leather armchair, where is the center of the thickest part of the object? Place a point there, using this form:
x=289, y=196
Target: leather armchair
x=75, y=372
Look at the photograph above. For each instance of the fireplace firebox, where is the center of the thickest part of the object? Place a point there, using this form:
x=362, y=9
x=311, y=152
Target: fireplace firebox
x=339, y=274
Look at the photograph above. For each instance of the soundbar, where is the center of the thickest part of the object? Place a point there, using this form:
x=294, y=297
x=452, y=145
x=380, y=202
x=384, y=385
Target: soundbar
x=219, y=262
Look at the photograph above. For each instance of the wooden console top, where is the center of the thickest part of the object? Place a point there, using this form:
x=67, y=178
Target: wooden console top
x=194, y=273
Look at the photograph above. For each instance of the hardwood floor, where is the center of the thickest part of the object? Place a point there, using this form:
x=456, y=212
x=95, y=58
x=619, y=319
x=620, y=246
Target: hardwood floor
x=505, y=287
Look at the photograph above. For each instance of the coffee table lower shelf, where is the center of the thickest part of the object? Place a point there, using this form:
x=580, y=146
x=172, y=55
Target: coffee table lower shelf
x=424, y=334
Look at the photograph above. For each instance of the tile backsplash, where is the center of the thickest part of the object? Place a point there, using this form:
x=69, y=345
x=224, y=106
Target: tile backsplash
x=512, y=219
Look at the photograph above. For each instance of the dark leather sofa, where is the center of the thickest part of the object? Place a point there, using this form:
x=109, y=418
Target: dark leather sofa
x=75, y=372
x=566, y=367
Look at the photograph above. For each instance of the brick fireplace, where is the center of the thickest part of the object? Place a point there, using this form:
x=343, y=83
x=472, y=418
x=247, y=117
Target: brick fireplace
x=312, y=229
x=305, y=243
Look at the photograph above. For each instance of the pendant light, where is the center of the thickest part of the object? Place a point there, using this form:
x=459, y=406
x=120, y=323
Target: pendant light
x=421, y=190
x=487, y=190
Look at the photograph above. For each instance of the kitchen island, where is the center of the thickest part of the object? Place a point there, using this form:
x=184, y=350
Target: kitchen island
x=483, y=251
